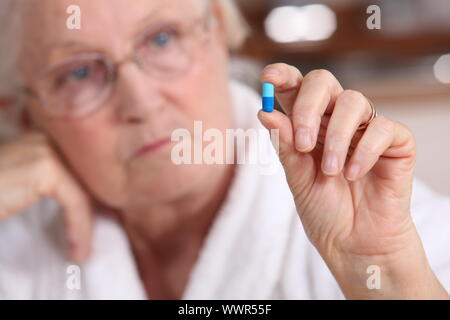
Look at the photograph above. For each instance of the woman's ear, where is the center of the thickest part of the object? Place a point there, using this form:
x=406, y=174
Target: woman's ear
x=218, y=22
x=230, y=25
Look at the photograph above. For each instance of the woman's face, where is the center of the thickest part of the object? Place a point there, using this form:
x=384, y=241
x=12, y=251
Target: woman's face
x=105, y=147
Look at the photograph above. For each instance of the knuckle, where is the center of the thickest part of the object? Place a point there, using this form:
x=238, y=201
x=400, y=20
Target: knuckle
x=320, y=74
x=307, y=119
x=337, y=139
x=41, y=151
x=352, y=97
x=384, y=125
x=366, y=149
x=45, y=169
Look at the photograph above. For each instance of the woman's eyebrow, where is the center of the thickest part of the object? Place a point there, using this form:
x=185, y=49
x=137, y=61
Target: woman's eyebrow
x=68, y=45
x=59, y=49
x=62, y=48
x=150, y=16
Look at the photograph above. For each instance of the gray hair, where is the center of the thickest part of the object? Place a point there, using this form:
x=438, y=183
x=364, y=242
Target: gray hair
x=9, y=77
x=8, y=32
x=236, y=27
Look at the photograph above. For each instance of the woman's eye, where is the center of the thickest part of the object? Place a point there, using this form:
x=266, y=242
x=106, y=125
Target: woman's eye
x=80, y=74
x=161, y=40
x=72, y=76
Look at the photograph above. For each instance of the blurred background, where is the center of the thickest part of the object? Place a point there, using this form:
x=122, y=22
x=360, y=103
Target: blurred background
x=403, y=67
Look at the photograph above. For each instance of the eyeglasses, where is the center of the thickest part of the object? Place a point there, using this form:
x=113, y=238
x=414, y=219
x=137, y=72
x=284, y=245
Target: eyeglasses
x=81, y=84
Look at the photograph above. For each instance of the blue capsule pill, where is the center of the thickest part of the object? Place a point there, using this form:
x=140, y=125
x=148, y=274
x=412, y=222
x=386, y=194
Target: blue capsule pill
x=268, y=96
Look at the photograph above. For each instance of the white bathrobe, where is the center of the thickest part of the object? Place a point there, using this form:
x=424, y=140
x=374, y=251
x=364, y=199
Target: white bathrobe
x=256, y=248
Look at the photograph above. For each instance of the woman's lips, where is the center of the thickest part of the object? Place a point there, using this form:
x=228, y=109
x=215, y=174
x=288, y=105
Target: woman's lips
x=152, y=147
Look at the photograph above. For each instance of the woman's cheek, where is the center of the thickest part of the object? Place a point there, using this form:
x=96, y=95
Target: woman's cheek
x=202, y=92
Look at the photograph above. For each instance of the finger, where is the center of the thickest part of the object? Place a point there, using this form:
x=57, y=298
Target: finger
x=78, y=215
x=350, y=111
x=76, y=210
x=318, y=93
x=383, y=138
x=287, y=81
x=277, y=120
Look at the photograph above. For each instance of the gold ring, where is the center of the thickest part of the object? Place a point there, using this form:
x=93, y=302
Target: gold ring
x=372, y=116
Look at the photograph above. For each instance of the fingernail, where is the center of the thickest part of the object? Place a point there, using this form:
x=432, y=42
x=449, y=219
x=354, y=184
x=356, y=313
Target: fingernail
x=303, y=139
x=353, y=172
x=331, y=165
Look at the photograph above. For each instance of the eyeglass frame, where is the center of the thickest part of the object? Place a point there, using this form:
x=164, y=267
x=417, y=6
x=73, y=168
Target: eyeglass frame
x=113, y=66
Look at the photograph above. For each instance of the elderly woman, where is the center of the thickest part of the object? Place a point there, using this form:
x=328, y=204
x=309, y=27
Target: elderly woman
x=98, y=107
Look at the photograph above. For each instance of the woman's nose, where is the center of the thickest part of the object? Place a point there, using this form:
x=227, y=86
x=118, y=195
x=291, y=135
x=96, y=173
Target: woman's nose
x=138, y=95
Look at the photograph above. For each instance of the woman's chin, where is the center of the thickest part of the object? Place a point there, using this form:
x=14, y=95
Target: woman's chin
x=165, y=183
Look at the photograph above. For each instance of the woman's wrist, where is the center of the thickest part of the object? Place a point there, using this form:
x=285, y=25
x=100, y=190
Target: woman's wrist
x=405, y=274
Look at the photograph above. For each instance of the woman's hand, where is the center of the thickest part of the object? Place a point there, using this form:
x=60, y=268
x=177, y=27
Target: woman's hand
x=352, y=188
x=31, y=170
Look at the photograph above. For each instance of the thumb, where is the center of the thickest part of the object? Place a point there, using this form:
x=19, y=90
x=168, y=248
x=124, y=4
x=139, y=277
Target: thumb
x=299, y=167
x=277, y=120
